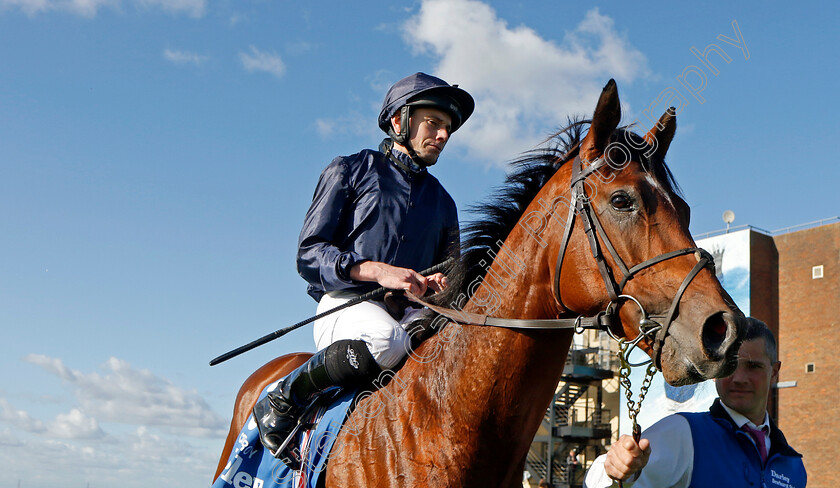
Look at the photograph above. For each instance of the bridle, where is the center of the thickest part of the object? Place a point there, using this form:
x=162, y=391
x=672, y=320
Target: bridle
x=592, y=227
x=653, y=328
x=581, y=205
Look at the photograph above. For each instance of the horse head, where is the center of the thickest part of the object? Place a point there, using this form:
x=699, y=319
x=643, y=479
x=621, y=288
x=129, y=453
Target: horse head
x=627, y=214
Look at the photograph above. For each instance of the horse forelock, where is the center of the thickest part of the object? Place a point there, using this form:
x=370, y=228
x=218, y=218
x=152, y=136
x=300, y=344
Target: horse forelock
x=498, y=216
x=638, y=148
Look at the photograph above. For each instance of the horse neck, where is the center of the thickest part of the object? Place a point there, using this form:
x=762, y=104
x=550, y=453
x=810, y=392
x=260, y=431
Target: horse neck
x=520, y=277
x=507, y=377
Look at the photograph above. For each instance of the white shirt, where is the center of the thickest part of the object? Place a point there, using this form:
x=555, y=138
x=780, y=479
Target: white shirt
x=671, y=462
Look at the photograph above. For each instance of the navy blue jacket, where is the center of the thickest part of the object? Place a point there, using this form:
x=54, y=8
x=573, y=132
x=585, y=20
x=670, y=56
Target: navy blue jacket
x=366, y=208
x=724, y=456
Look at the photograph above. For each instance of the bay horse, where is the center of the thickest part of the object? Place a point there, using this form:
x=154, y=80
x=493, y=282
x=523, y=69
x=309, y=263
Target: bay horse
x=463, y=409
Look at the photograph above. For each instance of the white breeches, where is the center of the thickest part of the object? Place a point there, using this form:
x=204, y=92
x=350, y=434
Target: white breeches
x=367, y=321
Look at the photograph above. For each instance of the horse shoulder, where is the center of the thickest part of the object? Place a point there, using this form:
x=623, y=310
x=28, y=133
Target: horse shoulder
x=396, y=435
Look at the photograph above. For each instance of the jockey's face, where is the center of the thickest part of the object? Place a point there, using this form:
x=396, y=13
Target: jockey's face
x=428, y=133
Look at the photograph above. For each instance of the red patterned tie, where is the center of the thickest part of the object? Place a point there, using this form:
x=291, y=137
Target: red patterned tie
x=758, y=437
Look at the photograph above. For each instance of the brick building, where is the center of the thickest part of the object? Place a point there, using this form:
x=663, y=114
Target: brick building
x=808, y=397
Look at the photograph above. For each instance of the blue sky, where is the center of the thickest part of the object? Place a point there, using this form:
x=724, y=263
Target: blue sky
x=157, y=158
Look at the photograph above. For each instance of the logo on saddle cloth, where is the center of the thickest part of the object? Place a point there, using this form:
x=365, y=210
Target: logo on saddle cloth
x=250, y=465
x=351, y=358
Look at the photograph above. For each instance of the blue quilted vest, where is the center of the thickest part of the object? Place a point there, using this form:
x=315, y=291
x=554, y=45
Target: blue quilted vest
x=725, y=456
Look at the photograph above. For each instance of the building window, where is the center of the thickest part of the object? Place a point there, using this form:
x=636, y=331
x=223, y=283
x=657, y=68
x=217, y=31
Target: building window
x=817, y=272
x=809, y=368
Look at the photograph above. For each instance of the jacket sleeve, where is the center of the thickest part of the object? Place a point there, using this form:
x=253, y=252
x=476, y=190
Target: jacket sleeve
x=319, y=259
x=671, y=461
x=451, y=238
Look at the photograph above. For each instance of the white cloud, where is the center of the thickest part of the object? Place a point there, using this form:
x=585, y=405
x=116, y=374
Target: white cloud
x=89, y=8
x=8, y=439
x=523, y=84
x=128, y=425
x=325, y=127
x=258, y=60
x=193, y=8
x=354, y=124
x=299, y=48
x=19, y=419
x=130, y=461
x=29, y=7
x=130, y=396
x=76, y=425
x=237, y=18
x=184, y=57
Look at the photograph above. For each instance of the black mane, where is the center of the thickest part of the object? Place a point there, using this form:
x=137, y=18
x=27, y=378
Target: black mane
x=498, y=216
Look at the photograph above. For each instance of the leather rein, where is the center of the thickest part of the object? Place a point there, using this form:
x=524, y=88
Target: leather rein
x=655, y=326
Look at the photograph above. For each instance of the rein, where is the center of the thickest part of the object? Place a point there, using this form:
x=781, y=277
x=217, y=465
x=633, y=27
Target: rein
x=579, y=324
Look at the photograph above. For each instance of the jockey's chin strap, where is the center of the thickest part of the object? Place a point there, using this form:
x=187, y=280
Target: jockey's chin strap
x=653, y=331
x=417, y=165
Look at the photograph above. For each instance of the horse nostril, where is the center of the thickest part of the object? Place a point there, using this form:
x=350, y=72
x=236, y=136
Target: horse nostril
x=714, y=335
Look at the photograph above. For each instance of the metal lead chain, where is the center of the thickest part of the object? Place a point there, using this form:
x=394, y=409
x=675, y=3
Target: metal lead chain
x=633, y=407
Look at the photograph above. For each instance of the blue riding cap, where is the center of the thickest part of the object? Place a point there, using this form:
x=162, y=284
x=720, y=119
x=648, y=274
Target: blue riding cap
x=425, y=90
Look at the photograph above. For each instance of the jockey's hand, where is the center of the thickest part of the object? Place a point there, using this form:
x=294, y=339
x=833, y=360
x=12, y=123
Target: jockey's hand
x=626, y=458
x=391, y=277
x=437, y=282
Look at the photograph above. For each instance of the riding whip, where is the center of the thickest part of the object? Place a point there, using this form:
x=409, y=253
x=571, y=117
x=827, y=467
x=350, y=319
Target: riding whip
x=371, y=295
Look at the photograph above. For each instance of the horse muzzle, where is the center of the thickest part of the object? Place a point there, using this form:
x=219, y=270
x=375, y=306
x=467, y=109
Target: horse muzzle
x=685, y=360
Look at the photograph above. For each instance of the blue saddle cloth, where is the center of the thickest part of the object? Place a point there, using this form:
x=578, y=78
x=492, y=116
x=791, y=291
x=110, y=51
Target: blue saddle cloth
x=252, y=466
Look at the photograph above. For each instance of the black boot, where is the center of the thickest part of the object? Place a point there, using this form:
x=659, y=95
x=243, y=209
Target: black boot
x=343, y=363
x=277, y=414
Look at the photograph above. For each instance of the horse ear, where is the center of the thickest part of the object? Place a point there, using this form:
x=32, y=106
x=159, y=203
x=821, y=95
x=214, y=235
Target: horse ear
x=604, y=121
x=661, y=134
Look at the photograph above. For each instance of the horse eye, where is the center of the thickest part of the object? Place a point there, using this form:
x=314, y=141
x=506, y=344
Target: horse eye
x=621, y=201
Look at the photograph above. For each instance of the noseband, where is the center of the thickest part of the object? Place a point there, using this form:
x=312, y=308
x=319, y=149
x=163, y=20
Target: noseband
x=582, y=206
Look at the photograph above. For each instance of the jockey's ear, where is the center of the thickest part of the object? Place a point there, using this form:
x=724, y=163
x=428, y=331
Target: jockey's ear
x=660, y=135
x=604, y=121
x=396, y=122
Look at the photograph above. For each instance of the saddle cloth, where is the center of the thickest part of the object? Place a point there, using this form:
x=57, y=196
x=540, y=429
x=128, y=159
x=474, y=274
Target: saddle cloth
x=252, y=466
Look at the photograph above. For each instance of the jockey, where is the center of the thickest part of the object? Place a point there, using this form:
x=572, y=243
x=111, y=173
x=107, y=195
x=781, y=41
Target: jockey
x=376, y=218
